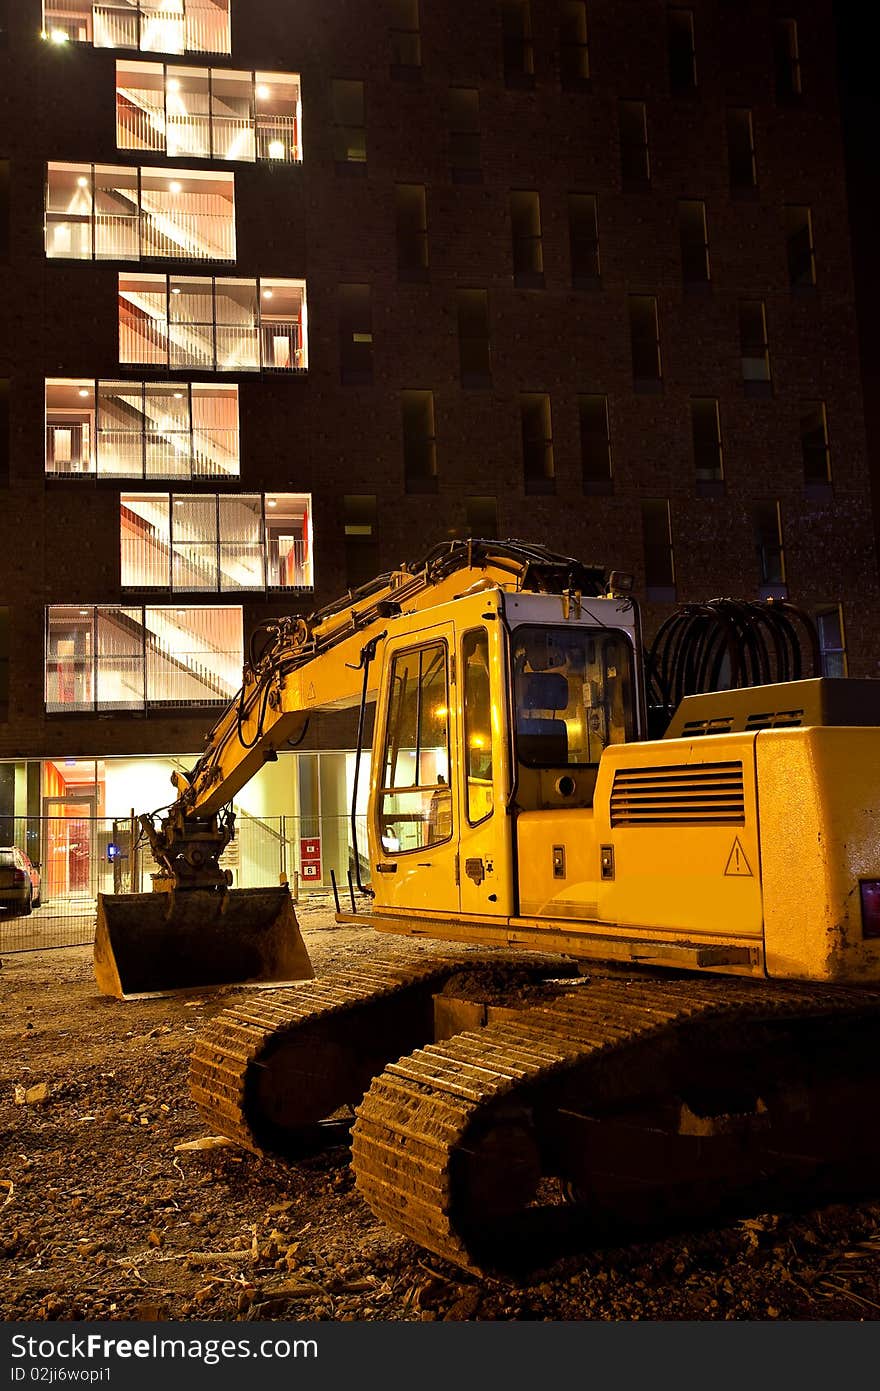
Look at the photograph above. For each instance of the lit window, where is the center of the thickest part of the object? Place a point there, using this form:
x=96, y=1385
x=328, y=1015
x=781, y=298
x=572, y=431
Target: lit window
x=207, y=113
x=213, y=324
x=227, y=542
x=136, y=658
x=141, y=429
x=108, y=212
x=158, y=26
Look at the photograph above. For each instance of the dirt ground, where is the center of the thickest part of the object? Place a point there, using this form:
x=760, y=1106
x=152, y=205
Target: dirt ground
x=103, y=1217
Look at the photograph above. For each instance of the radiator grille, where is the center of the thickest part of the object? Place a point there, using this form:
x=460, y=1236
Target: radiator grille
x=703, y=794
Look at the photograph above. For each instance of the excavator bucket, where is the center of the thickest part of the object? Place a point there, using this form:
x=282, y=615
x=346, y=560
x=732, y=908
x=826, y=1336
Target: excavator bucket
x=159, y=942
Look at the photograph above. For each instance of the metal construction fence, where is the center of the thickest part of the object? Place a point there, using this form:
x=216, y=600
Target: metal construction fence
x=78, y=857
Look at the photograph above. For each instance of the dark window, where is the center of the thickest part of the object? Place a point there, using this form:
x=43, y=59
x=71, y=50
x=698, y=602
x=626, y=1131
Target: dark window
x=412, y=230
x=574, y=50
x=473, y=337
x=741, y=148
x=768, y=543
x=464, y=131
x=406, y=43
x=518, y=50
x=799, y=244
x=4, y=664
x=754, y=348
x=786, y=55
x=682, y=51
x=537, y=443
x=4, y=432
x=657, y=543
x=355, y=334
x=693, y=238
x=361, y=545
x=481, y=514
x=5, y=179
x=583, y=234
x=832, y=640
x=635, y=164
x=644, y=329
x=477, y=725
x=419, y=441
x=595, y=444
x=525, y=226
x=706, y=431
x=349, y=129
x=814, y=442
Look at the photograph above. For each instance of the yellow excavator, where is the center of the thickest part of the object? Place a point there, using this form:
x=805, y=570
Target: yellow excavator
x=664, y=989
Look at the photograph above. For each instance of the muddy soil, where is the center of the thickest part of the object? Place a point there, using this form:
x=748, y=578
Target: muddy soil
x=102, y=1216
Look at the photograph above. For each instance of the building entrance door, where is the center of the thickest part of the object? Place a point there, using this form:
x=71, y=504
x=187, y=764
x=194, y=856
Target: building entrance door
x=69, y=848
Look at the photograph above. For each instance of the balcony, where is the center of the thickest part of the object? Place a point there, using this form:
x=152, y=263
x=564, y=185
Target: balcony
x=153, y=26
x=111, y=213
x=208, y=113
x=215, y=543
x=212, y=324
x=141, y=659
x=110, y=429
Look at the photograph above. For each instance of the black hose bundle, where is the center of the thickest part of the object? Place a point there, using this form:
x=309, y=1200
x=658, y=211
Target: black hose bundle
x=725, y=644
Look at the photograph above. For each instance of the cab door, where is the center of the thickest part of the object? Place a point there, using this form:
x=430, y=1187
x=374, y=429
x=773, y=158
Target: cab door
x=485, y=828
x=414, y=822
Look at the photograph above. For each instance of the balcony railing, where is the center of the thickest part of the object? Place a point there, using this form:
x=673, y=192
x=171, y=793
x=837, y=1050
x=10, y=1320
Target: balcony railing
x=196, y=135
x=185, y=27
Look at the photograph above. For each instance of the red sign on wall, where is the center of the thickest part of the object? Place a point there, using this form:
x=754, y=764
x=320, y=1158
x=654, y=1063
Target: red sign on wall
x=310, y=858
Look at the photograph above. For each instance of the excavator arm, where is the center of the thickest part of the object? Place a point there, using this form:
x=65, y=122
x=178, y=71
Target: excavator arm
x=199, y=930
x=325, y=662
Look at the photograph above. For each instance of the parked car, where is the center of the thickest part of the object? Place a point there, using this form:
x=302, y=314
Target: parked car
x=19, y=880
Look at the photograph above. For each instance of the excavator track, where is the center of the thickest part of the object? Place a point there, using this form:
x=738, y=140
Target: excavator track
x=266, y=1069
x=450, y=1143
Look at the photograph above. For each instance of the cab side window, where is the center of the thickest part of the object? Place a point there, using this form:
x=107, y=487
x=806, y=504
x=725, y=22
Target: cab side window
x=477, y=725
x=416, y=797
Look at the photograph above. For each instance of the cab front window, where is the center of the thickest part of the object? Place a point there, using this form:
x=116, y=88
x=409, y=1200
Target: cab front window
x=573, y=691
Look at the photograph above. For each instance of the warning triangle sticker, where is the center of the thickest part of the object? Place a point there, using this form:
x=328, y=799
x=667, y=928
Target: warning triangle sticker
x=310, y=693
x=737, y=864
